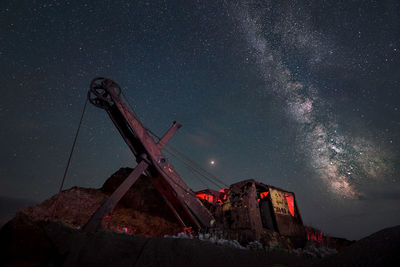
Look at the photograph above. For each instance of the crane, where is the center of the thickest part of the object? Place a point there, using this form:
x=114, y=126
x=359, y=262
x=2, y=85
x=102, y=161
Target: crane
x=246, y=210
x=106, y=94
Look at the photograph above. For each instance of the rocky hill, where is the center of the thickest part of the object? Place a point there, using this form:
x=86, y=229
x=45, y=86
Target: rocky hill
x=141, y=211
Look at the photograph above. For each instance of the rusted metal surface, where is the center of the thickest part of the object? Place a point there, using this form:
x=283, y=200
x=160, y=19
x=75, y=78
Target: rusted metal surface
x=240, y=214
x=252, y=209
x=254, y=212
x=106, y=94
x=94, y=223
x=287, y=224
x=169, y=134
x=248, y=210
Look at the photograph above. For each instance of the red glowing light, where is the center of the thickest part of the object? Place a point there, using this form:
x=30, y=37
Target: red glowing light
x=262, y=195
x=290, y=202
x=207, y=197
x=223, y=192
x=187, y=231
x=317, y=237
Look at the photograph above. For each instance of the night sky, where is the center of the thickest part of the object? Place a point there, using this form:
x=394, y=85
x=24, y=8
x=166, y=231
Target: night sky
x=303, y=95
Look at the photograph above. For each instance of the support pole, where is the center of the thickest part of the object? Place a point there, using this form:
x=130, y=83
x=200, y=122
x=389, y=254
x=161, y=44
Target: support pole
x=169, y=134
x=94, y=223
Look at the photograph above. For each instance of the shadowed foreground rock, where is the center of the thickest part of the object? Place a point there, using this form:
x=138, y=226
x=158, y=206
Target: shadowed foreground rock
x=379, y=249
x=54, y=244
x=28, y=243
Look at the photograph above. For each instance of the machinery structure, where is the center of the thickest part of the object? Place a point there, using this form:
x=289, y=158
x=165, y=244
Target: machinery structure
x=243, y=211
x=187, y=208
x=249, y=209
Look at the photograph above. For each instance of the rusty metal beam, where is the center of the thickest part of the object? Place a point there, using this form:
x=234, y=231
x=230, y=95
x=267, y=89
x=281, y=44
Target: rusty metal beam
x=106, y=94
x=161, y=164
x=94, y=223
x=169, y=134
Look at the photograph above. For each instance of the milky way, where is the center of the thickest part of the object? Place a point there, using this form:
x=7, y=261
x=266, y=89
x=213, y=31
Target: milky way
x=302, y=95
x=342, y=161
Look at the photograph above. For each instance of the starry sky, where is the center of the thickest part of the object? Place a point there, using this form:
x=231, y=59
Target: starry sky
x=303, y=95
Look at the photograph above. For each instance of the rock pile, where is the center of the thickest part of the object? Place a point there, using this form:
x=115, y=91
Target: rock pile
x=141, y=211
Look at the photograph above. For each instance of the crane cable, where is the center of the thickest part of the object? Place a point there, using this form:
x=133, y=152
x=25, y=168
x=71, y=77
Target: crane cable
x=158, y=139
x=69, y=159
x=196, y=165
x=179, y=155
x=166, y=174
x=190, y=164
x=192, y=169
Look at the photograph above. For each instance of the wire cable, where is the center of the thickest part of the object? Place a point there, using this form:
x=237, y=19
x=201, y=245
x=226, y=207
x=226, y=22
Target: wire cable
x=190, y=164
x=194, y=170
x=69, y=159
x=207, y=173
